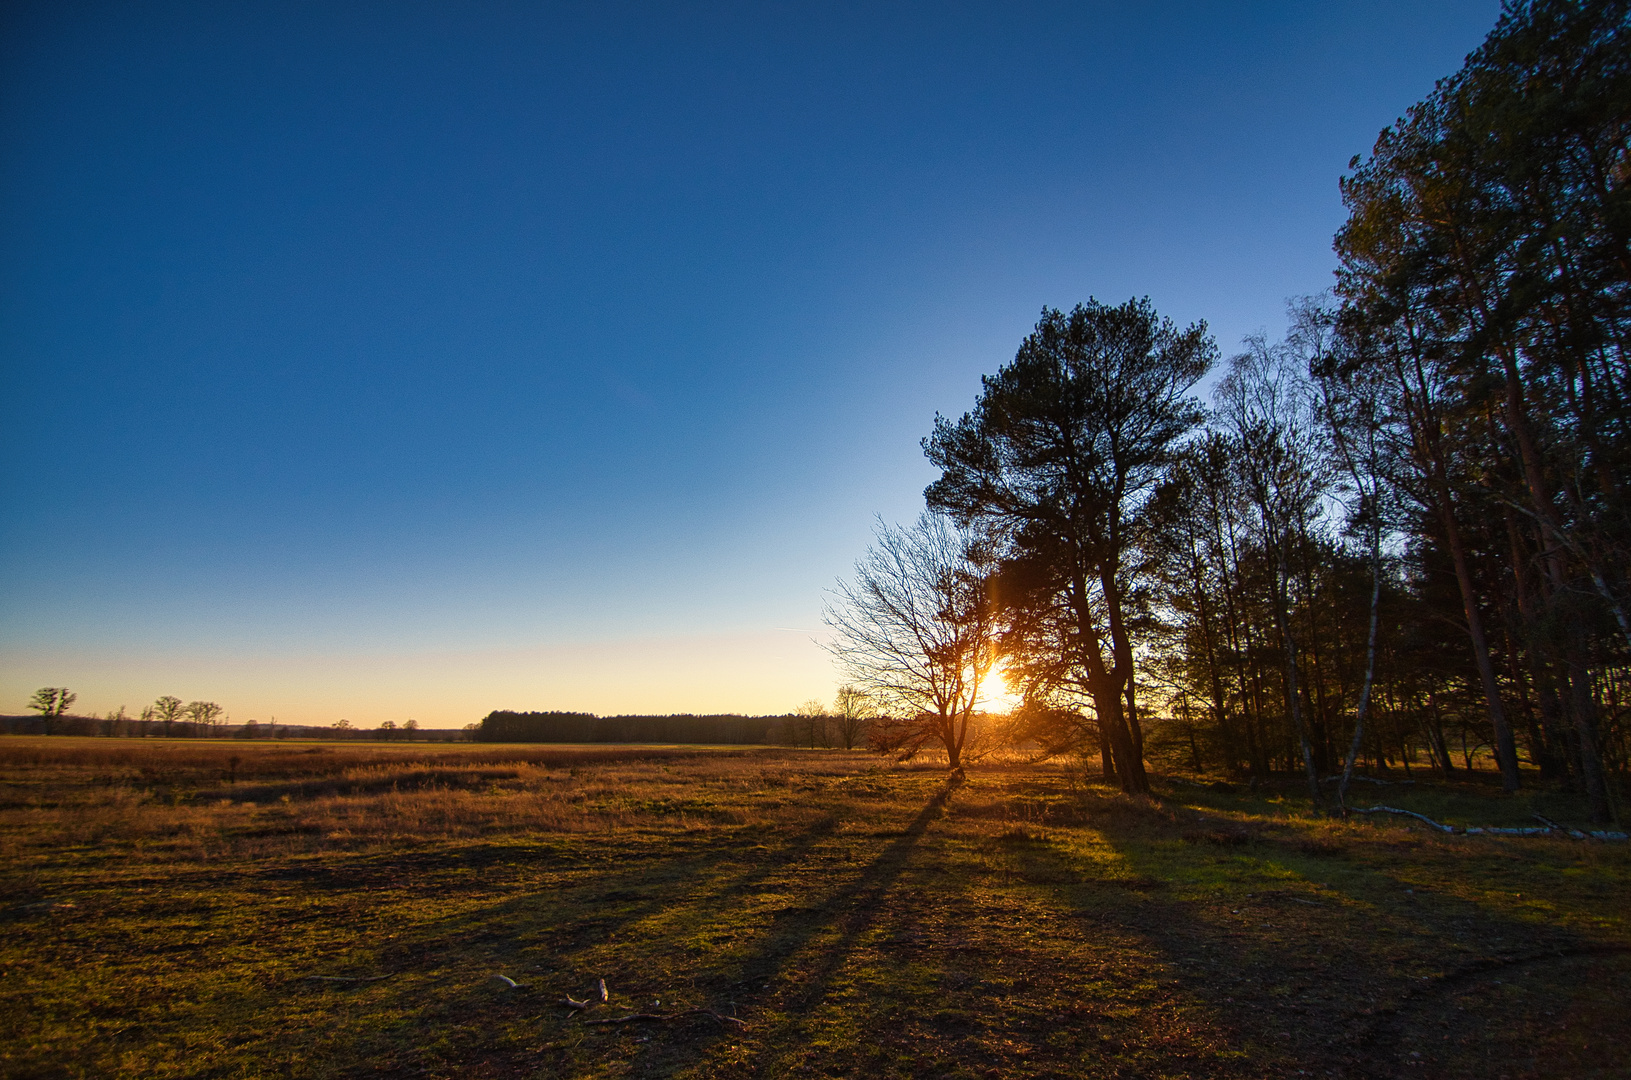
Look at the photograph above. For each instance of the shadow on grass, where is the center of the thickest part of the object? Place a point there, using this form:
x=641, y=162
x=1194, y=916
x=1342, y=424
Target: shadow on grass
x=850, y=910
x=824, y=935
x=1327, y=964
x=1028, y=933
x=1321, y=971
x=626, y=911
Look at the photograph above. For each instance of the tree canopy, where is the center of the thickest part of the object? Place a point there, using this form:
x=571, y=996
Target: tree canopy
x=1061, y=454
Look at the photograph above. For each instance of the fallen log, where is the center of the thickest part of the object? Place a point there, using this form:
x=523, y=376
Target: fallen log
x=1405, y=813
x=1475, y=830
x=1549, y=823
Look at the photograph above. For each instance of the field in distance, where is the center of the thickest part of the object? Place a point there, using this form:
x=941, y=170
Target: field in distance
x=195, y=909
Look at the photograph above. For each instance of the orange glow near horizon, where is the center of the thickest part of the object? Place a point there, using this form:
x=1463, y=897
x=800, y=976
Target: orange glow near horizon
x=751, y=672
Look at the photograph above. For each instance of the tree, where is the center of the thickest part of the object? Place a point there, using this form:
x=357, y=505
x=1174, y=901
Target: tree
x=51, y=702
x=387, y=729
x=850, y=711
x=1204, y=570
x=810, y=719
x=1268, y=409
x=1060, y=456
x=1353, y=409
x=168, y=710
x=206, y=716
x=916, y=631
x=410, y=728
x=116, y=723
x=1487, y=262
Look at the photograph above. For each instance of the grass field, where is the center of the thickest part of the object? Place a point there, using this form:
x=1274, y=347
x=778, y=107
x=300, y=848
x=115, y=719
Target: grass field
x=186, y=909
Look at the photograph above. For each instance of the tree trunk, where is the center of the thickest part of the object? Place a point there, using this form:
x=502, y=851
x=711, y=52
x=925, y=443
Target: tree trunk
x=1543, y=736
x=1585, y=719
x=1506, y=751
x=1107, y=703
x=1370, y=671
x=1106, y=685
x=1293, y=704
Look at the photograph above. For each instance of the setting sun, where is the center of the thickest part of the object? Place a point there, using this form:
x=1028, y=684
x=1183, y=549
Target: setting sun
x=999, y=695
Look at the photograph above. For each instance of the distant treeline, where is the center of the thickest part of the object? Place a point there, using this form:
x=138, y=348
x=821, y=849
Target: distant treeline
x=116, y=726
x=570, y=727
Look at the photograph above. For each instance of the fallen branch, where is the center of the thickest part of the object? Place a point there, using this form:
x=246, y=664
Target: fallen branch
x=1369, y=780
x=1475, y=830
x=604, y=995
x=347, y=978
x=1406, y=813
x=661, y=1017
x=511, y=983
x=1549, y=823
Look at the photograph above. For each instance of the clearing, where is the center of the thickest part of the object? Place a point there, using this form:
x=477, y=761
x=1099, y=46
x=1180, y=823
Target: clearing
x=195, y=909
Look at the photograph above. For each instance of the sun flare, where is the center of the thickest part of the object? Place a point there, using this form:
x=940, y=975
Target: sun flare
x=998, y=694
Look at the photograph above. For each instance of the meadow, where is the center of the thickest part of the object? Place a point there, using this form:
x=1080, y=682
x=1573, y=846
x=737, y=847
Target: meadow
x=197, y=909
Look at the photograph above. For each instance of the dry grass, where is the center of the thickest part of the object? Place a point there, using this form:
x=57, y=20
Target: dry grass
x=165, y=908
x=187, y=800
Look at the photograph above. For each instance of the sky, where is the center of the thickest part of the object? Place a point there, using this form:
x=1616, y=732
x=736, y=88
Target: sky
x=412, y=360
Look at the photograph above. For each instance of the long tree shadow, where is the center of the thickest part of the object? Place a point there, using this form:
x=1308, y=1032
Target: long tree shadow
x=1300, y=976
x=826, y=931
x=631, y=914
x=556, y=934
x=1134, y=966
x=850, y=909
x=599, y=901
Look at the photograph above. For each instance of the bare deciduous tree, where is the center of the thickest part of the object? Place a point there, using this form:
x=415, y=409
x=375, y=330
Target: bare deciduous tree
x=916, y=631
x=168, y=710
x=206, y=715
x=1268, y=407
x=810, y=724
x=51, y=702
x=851, y=709
x=1354, y=412
x=116, y=723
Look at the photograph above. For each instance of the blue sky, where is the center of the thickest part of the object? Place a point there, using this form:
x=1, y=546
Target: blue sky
x=381, y=360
